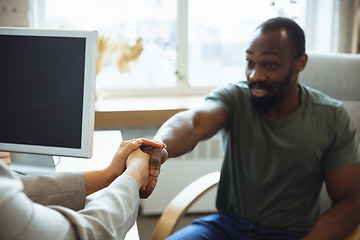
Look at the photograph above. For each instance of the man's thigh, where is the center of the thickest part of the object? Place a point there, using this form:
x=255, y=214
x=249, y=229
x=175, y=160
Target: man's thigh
x=215, y=226
x=225, y=226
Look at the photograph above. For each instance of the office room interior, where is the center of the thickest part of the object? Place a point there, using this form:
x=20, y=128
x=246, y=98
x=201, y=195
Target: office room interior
x=160, y=57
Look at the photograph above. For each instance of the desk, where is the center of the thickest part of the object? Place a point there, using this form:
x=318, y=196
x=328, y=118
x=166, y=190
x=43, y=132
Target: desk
x=105, y=145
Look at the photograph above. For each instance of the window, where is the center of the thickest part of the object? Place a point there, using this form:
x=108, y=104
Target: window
x=219, y=34
x=189, y=46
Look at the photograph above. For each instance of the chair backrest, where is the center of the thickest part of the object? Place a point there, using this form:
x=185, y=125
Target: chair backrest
x=337, y=75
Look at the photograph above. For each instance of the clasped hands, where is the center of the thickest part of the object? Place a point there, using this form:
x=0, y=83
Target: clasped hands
x=141, y=158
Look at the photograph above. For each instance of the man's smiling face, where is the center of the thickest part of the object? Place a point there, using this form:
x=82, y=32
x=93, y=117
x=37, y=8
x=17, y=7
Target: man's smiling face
x=269, y=68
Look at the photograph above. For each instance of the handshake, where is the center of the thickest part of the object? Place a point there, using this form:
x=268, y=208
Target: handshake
x=141, y=159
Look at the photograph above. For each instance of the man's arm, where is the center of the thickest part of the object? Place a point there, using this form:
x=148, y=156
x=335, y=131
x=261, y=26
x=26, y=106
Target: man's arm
x=343, y=186
x=182, y=132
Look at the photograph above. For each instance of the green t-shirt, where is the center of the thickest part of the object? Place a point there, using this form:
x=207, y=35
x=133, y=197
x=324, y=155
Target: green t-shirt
x=272, y=171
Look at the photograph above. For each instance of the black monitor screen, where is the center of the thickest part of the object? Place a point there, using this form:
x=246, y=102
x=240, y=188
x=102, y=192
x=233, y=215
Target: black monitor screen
x=41, y=90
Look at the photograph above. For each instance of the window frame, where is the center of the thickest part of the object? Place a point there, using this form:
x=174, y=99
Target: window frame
x=37, y=18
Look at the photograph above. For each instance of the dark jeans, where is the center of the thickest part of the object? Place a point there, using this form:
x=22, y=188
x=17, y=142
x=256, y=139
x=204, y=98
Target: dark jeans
x=224, y=226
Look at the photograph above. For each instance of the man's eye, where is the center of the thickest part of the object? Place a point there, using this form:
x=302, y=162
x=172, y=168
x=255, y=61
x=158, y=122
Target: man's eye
x=270, y=65
x=250, y=64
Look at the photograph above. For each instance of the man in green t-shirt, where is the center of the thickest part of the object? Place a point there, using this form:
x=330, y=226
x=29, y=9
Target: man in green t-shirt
x=281, y=141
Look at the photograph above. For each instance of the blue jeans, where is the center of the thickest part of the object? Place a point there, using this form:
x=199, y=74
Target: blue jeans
x=224, y=226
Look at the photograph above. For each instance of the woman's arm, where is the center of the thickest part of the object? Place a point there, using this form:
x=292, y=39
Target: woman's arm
x=70, y=189
x=96, y=180
x=109, y=216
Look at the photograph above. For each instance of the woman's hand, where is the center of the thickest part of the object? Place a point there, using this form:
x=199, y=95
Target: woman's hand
x=96, y=180
x=118, y=164
x=138, y=167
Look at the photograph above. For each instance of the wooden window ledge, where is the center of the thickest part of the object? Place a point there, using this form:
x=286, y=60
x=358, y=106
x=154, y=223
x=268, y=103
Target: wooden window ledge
x=140, y=111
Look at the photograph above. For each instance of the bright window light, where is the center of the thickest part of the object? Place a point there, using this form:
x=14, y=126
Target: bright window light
x=217, y=30
x=125, y=21
x=219, y=34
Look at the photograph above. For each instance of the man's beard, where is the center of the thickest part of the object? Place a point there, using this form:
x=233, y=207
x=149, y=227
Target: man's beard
x=265, y=104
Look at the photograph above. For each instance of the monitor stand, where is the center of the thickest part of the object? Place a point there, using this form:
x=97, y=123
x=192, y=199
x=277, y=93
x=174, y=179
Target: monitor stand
x=30, y=164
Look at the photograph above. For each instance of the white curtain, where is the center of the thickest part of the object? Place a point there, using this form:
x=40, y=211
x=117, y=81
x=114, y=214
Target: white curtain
x=355, y=45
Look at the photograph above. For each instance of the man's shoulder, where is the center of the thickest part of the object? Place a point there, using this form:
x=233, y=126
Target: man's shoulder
x=317, y=98
x=241, y=86
x=231, y=96
x=238, y=88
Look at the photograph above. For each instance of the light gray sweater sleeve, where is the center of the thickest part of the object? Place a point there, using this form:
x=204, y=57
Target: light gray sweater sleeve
x=64, y=189
x=108, y=217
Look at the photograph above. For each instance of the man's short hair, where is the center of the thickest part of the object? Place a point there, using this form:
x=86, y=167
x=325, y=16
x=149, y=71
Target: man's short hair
x=293, y=30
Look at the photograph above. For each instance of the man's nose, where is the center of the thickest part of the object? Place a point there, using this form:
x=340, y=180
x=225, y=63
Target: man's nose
x=257, y=74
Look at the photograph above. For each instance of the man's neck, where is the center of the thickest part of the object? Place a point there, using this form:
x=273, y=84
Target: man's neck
x=287, y=105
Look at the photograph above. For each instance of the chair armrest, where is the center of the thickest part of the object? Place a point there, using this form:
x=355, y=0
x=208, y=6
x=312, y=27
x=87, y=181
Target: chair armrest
x=182, y=201
x=355, y=235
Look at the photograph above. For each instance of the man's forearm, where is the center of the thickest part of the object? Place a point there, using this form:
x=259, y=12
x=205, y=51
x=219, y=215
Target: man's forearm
x=182, y=132
x=336, y=223
x=179, y=134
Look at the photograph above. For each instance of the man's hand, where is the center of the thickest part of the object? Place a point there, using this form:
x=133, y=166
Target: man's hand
x=157, y=157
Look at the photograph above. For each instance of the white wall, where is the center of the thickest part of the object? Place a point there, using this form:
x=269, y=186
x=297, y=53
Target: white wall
x=14, y=13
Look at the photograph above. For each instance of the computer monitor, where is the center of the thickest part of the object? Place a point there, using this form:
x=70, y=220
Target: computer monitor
x=47, y=95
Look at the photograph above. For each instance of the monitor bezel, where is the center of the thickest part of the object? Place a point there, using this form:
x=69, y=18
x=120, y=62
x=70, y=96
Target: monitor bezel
x=88, y=117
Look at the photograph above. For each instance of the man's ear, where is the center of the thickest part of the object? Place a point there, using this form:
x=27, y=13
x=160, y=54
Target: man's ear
x=301, y=63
